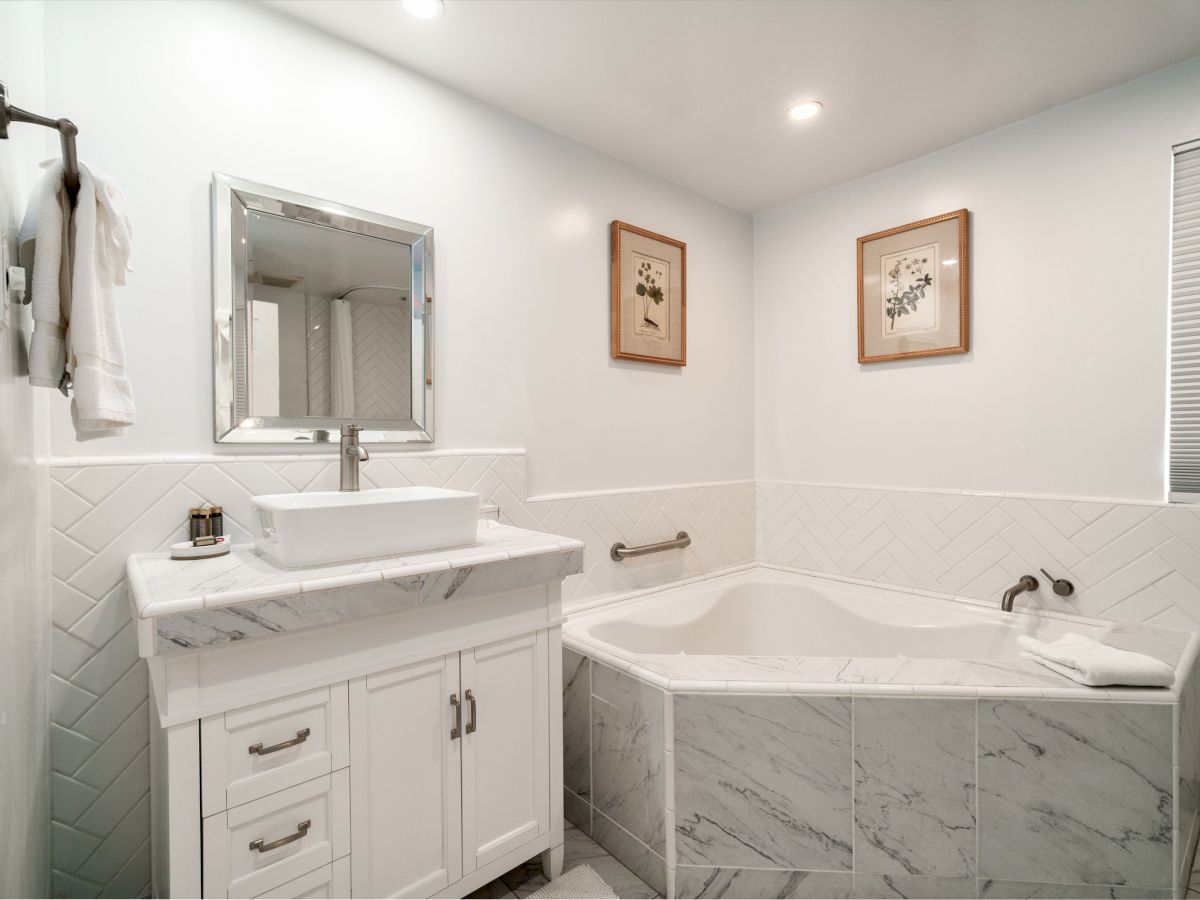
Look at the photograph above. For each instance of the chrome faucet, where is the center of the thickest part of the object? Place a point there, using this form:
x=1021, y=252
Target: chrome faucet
x=1027, y=583
x=351, y=455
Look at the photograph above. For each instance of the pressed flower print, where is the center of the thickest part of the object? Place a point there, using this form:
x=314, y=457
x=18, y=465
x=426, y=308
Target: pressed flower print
x=908, y=281
x=652, y=288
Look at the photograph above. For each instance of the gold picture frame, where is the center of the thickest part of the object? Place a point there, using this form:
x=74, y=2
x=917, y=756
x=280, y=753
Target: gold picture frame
x=649, y=296
x=914, y=290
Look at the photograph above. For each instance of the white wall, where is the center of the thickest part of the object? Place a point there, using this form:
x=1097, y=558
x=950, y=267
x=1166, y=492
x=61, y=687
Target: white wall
x=1063, y=391
x=521, y=218
x=24, y=528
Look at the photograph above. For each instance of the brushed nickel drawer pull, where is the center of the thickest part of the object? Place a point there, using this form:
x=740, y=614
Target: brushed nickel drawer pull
x=301, y=831
x=456, y=731
x=474, y=719
x=300, y=738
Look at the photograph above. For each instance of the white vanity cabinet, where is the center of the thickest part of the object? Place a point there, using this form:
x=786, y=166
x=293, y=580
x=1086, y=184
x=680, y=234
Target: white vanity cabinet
x=449, y=761
x=408, y=754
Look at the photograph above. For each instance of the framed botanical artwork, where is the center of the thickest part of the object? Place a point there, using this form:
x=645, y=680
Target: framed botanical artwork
x=913, y=290
x=649, y=296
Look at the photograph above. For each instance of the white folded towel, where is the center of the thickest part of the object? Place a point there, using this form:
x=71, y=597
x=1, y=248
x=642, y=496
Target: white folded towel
x=79, y=257
x=1094, y=664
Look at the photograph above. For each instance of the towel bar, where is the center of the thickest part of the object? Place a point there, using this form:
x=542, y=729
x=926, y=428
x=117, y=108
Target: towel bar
x=66, y=133
x=620, y=551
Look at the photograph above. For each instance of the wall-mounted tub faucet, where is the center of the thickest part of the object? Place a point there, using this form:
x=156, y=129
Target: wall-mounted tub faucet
x=352, y=454
x=1027, y=583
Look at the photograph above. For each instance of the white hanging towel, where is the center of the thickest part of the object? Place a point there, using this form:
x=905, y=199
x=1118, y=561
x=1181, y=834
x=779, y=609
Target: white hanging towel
x=1094, y=664
x=78, y=259
x=341, y=357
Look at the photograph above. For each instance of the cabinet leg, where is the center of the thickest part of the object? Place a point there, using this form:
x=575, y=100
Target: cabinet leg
x=552, y=862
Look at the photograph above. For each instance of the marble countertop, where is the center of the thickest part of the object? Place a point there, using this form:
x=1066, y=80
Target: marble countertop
x=161, y=586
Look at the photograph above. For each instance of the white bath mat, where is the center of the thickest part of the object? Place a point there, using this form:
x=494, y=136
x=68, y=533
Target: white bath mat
x=581, y=883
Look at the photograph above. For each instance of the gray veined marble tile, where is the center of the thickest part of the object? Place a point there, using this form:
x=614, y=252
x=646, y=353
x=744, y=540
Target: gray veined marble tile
x=777, y=884
x=1166, y=644
x=639, y=859
x=1188, y=785
x=914, y=787
x=578, y=812
x=257, y=618
x=628, y=751
x=577, y=697
x=763, y=782
x=1075, y=792
x=1028, y=890
x=917, y=887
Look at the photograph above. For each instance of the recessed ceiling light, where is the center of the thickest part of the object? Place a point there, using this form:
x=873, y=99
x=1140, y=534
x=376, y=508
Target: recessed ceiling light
x=805, y=109
x=423, y=9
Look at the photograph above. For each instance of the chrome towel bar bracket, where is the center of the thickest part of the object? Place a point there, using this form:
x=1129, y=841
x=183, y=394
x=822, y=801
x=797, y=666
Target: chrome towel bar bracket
x=620, y=551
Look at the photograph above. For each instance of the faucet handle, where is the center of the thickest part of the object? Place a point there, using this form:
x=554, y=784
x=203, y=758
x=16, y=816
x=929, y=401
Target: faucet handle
x=1061, y=586
x=351, y=430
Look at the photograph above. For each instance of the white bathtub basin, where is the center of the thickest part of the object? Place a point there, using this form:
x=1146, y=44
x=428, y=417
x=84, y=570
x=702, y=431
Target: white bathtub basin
x=796, y=616
x=767, y=629
x=334, y=526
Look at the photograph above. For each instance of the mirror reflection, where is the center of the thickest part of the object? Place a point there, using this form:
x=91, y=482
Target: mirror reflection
x=329, y=322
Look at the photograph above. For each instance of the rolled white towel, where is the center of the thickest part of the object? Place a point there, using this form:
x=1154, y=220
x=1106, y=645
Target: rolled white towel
x=1094, y=664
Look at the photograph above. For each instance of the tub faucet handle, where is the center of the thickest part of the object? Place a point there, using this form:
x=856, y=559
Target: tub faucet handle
x=1061, y=586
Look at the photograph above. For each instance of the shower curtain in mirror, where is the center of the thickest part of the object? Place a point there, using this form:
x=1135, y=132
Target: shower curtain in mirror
x=341, y=357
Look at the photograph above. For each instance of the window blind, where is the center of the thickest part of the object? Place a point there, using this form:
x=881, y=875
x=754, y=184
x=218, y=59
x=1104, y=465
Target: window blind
x=1184, y=464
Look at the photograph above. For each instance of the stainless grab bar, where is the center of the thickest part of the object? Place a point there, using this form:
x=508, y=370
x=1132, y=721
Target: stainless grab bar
x=620, y=551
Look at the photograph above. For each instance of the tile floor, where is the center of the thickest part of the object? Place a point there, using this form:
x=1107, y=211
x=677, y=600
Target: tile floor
x=579, y=850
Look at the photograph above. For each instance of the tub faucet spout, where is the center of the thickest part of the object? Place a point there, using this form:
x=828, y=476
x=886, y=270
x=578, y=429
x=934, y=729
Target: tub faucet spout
x=1027, y=583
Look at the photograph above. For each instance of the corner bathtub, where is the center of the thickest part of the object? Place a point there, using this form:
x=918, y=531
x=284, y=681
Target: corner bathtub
x=772, y=734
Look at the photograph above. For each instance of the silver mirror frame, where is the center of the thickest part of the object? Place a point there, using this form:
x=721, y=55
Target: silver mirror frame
x=231, y=420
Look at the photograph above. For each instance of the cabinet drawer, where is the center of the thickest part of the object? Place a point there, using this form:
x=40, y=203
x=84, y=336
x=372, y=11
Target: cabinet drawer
x=263, y=845
x=328, y=881
x=257, y=750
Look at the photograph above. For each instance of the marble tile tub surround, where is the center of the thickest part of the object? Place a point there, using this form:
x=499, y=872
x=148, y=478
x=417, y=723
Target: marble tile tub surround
x=614, y=770
x=104, y=509
x=1129, y=561
x=784, y=796
x=183, y=605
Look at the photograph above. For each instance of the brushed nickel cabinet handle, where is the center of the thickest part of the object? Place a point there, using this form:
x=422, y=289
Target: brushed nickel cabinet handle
x=300, y=738
x=456, y=731
x=301, y=831
x=474, y=720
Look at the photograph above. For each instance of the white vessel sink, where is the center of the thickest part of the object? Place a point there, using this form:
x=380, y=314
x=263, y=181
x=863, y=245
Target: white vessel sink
x=333, y=526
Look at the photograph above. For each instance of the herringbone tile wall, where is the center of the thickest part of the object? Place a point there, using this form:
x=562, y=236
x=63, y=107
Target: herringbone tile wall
x=1132, y=562
x=102, y=513
x=1129, y=561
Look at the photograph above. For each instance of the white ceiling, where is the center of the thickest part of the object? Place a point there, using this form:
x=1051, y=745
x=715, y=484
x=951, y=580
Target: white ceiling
x=329, y=261
x=695, y=91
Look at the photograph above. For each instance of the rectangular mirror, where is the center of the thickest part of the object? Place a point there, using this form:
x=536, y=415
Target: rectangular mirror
x=321, y=318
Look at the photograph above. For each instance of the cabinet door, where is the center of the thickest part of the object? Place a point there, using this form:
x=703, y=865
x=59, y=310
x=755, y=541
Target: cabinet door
x=405, y=780
x=506, y=769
